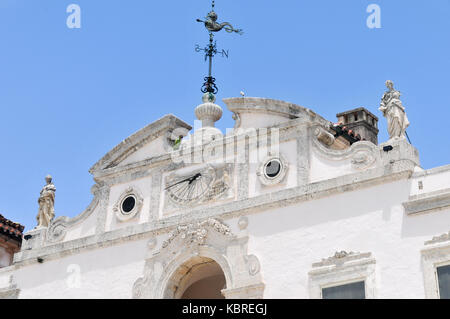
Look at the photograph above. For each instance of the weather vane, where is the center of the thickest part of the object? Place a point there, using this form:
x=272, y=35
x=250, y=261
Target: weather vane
x=212, y=25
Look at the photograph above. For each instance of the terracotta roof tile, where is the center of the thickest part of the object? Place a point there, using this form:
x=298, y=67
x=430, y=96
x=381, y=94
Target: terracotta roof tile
x=342, y=130
x=11, y=229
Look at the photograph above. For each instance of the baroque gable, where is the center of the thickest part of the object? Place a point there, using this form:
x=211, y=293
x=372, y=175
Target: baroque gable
x=153, y=140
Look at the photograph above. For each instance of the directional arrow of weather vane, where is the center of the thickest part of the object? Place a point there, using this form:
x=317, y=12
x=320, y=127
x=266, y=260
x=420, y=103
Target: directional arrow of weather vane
x=210, y=50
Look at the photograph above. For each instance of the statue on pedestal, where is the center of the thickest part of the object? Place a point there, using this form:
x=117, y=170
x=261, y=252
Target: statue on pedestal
x=394, y=112
x=46, y=204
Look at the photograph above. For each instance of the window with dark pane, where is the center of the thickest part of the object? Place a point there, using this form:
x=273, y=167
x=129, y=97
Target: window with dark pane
x=350, y=291
x=128, y=204
x=273, y=168
x=444, y=281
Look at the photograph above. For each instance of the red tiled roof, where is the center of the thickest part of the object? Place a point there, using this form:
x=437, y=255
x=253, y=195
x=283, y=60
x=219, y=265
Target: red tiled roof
x=343, y=131
x=11, y=229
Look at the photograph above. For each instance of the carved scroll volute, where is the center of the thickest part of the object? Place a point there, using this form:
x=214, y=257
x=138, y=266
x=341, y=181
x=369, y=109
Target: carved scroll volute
x=57, y=230
x=323, y=136
x=142, y=288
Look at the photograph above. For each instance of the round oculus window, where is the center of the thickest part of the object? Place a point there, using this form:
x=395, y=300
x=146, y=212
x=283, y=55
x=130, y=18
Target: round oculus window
x=273, y=168
x=128, y=204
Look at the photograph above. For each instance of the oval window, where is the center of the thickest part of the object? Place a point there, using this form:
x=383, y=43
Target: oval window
x=128, y=204
x=273, y=168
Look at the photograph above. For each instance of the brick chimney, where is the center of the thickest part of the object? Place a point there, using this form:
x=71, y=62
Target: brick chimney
x=362, y=122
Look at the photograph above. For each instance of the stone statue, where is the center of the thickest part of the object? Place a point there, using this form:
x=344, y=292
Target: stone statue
x=394, y=112
x=46, y=203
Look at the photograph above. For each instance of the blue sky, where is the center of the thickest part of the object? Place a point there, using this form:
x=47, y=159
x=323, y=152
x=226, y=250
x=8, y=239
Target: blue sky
x=67, y=96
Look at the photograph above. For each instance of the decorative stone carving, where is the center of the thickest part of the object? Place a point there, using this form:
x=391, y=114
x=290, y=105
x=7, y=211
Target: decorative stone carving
x=267, y=180
x=343, y=267
x=323, y=136
x=57, y=230
x=362, y=155
x=394, y=111
x=340, y=257
x=342, y=254
x=237, y=120
x=253, y=265
x=362, y=159
x=196, y=233
x=219, y=188
x=243, y=222
x=189, y=245
x=140, y=285
x=46, y=204
x=439, y=239
x=138, y=202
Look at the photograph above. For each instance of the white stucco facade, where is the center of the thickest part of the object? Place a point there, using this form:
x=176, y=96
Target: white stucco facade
x=331, y=216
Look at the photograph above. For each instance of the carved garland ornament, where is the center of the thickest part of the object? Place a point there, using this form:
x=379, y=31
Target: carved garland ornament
x=196, y=233
x=341, y=257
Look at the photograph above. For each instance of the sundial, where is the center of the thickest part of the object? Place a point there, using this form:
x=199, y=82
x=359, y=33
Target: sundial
x=212, y=26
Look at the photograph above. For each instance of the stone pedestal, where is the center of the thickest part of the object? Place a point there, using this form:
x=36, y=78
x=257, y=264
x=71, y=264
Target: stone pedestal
x=401, y=150
x=34, y=238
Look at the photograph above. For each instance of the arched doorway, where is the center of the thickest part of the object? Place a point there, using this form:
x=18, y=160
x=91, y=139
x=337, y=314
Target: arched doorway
x=198, y=278
x=193, y=260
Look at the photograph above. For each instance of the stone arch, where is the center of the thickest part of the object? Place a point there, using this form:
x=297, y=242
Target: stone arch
x=169, y=276
x=211, y=240
x=197, y=278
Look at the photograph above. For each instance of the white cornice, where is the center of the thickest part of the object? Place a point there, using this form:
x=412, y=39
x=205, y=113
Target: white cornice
x=428, y=202
x=397, y=171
